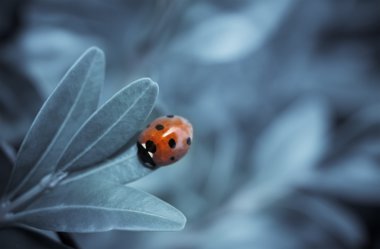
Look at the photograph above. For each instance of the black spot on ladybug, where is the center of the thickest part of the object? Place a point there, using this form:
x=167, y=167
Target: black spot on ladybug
x=188, y=140
x=170, y=116
x=159, y=127
x=172, y=143
x=172, y=158
x=150, y=146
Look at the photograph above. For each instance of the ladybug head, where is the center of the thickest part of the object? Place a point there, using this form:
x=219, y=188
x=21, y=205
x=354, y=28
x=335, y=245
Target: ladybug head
x=146, y=155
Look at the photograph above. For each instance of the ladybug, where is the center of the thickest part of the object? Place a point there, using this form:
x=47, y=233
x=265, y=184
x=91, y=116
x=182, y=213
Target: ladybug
x=164, y=141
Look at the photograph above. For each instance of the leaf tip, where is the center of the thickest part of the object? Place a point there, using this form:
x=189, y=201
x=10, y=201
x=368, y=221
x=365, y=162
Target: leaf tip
x=149, y=83
x=95, y=52
x=180, y=220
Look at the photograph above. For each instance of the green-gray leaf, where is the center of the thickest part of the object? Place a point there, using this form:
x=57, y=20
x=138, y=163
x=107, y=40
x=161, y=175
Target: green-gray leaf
x=293, y=144
x=94, y=206
x=123, y=168
x=110, y=127
x=71, y=103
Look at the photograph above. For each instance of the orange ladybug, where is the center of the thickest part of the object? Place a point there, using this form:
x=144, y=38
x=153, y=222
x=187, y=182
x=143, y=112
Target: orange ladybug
x=164, y=141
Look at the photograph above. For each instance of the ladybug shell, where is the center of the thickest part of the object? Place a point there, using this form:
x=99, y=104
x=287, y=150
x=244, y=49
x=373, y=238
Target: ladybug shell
x=165, y=140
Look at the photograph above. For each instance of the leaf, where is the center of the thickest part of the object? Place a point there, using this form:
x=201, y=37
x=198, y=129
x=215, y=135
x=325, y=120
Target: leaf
x=285, y=154
x=229, y=37
x=110, y=127
x=332, y=218
x=7, y=158
x=293, y=143
x=123, y=168
x=18, y=238
x=357, y=127
x=72, y=102
x=355, y=179
x=94, y=206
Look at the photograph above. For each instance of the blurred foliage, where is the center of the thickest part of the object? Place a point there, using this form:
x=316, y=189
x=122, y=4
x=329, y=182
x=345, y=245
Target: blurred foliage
x=284, y=99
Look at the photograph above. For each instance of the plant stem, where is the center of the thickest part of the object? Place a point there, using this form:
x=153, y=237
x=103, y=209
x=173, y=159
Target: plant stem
x=49, y=181
x=8, y=206
x=24, y=198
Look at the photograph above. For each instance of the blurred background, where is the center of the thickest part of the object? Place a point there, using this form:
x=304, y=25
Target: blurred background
x=284, y=96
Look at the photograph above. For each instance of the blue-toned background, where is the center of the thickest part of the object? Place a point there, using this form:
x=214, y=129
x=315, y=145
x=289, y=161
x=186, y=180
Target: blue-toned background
x=284, y=96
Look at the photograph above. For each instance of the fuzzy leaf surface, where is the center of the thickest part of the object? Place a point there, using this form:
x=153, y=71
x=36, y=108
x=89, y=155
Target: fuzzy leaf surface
x=71, y=103
x=123, y=168
x=111, y=126
x=95, y=206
